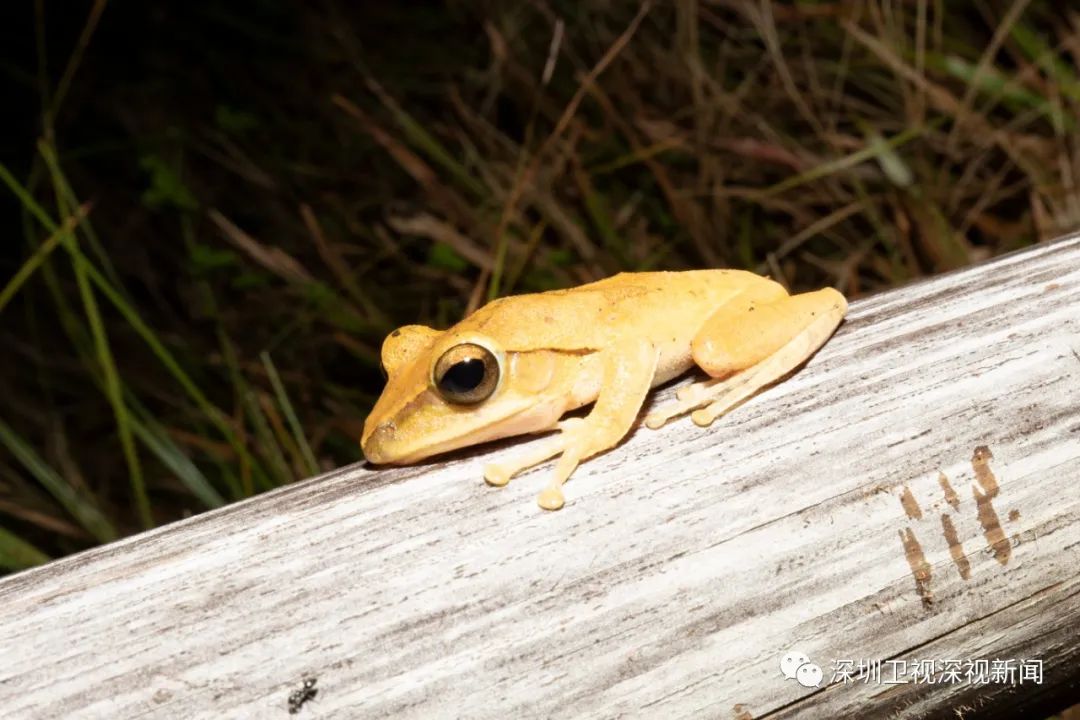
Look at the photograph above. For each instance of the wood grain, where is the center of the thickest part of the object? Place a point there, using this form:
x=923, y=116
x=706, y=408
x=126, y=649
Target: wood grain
x=845, y=513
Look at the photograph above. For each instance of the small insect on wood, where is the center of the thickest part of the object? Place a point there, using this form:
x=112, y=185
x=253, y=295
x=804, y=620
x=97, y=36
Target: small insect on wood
x=301, y=696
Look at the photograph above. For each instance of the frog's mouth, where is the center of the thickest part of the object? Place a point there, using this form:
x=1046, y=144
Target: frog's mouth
x=387, y=444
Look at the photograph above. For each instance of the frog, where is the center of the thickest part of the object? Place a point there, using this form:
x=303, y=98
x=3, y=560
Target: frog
x=521, y=363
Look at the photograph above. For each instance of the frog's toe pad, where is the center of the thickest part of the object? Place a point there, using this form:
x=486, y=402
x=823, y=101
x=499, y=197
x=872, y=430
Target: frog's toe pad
x=496, y=475
x=551, y=498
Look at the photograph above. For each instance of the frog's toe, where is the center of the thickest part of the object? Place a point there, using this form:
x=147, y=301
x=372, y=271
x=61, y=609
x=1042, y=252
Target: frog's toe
x=690, y=398
x=496, y=475
x=551, y=498
x=499, y=474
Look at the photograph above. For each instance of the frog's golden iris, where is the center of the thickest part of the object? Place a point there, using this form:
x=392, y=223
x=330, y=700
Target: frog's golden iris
x=466, y=374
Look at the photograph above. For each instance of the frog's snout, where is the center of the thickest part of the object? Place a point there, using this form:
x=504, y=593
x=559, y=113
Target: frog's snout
x=375, y=441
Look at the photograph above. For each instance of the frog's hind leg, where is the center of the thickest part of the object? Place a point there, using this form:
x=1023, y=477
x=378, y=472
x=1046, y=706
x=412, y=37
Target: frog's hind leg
x=692, y=396
x=749, y=344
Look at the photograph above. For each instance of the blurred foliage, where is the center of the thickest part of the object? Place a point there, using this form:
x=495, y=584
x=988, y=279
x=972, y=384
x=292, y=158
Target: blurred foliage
x=217, y=210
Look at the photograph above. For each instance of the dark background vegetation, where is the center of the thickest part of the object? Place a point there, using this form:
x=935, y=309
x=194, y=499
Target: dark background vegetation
x=213, y=212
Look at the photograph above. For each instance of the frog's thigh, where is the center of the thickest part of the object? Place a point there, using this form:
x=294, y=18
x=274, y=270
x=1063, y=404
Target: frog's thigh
x=746, y=330
x=752, y=344
x=627, y=376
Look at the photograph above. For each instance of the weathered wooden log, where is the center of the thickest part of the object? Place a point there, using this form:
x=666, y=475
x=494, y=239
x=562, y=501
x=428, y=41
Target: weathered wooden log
x=904, y=508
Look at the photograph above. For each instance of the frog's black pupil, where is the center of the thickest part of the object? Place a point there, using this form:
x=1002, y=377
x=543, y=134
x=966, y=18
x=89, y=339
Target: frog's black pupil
x=463, y=376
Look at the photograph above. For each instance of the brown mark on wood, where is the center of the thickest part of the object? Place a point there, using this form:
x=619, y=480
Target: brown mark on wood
x=741, y=713
x=950, y=495
x=980, y=463
x=1014, y=515
x=911, y=506
x=988, y=517
x=956, y=549
x=920, y=569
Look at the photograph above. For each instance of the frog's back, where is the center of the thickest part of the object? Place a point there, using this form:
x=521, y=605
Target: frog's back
x=594, y=315
x=674, y=281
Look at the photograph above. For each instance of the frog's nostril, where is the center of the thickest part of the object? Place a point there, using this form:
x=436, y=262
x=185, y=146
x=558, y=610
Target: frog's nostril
x=375, y=443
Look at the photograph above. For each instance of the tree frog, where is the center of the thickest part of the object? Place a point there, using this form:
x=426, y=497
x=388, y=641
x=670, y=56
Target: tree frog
x=519, y=363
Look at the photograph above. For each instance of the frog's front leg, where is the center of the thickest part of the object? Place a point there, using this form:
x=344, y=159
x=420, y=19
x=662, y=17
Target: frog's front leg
x=750, y=343
x=627, y=374
x=499, y=474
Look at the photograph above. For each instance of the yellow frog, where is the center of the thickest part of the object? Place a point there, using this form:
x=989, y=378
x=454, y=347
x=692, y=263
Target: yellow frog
x=518, y=364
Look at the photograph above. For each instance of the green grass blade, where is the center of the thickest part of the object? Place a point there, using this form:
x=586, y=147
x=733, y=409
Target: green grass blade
x=27, y=200
x=114, y=392
x=90, y=238
x=212, y=412
x=870, y=152
x=132, y=317
x=157, y=441
x=79, y=507
x=266, y=439
x=426, y=142
x=1048, y=58
x=34, y=261
x=245, y=487
x=194, y=480
x=600, y=215
x=103, y=352
x=69, y=319
x=994, y=85
x=290, y=415
x=17, y=554
x=152, y=435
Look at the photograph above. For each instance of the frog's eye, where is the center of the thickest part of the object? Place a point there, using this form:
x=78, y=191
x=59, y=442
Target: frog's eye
x=466, y=374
